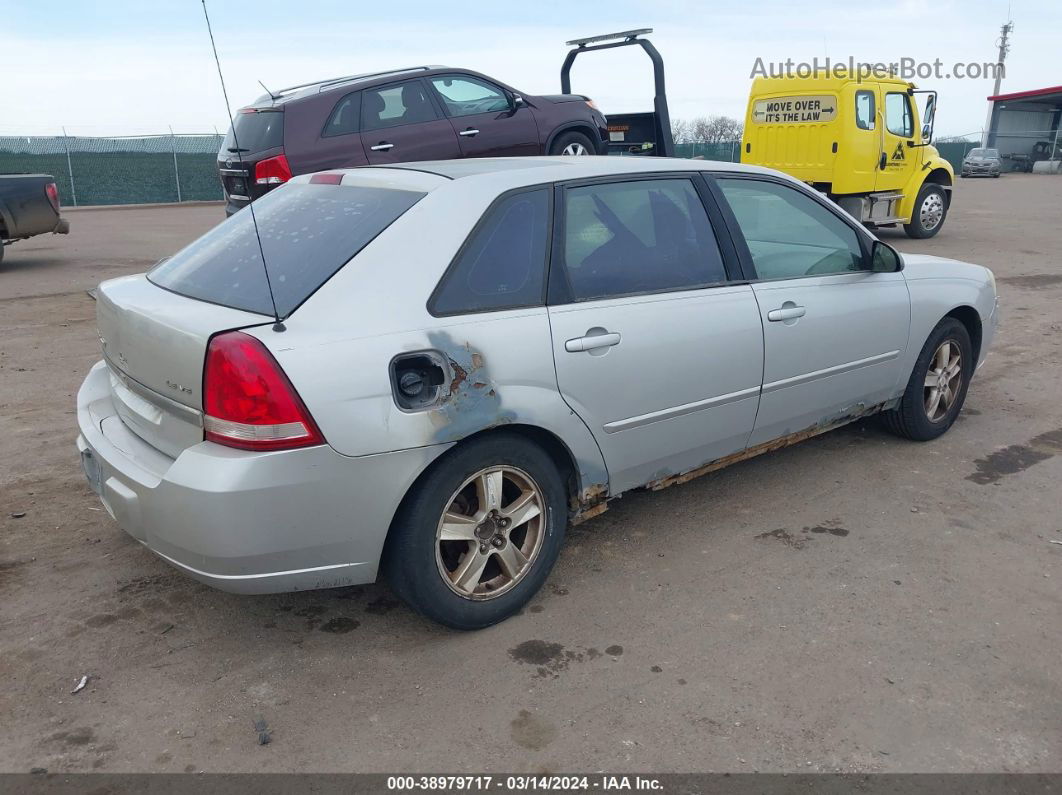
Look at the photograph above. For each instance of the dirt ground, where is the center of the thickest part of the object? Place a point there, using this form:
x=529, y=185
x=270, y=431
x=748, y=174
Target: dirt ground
x=855, y=603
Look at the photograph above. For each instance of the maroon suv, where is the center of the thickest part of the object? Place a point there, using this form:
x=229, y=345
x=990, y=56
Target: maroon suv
x=423, y=113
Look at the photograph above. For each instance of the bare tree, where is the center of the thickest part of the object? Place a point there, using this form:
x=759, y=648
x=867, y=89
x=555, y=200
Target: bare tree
x=680, y=131
x=707, y=130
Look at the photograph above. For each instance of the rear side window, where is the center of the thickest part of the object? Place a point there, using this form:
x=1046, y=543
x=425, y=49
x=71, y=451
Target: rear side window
x=503, y=264
x=344, y=118
x=393, y=106
x=864, y=115
x=308, y=233
x=255, y=131
x=638, y=237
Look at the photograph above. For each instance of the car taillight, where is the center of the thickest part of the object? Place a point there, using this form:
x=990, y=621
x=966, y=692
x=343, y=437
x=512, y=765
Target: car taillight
x=592, y=104
x=53, y=195
x=249, y=402
x=273, y=171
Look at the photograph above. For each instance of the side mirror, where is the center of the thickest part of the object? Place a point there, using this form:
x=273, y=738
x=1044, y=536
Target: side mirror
x=885, y=259
x=517, y=101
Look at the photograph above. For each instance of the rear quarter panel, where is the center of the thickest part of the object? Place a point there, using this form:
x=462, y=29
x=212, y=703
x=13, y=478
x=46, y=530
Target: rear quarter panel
x=340, y=343
x=307, y=151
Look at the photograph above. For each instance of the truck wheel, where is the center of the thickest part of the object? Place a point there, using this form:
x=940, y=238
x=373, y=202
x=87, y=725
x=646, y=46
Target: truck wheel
x=477, y=537
x=930, y=209
x=937, y=387
x=572, y=143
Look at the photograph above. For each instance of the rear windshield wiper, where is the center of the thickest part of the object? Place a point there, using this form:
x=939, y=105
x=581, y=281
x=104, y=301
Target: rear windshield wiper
x=237, y=149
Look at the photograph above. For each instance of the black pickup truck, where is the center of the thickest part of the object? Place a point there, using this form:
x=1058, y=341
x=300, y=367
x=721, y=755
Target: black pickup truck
x=29, y=205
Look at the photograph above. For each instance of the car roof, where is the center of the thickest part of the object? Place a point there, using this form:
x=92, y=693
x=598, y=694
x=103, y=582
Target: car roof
x=304, y=90
x=519, y=171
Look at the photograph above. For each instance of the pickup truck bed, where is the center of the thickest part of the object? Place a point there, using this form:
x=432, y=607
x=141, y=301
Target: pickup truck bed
x=29, y=205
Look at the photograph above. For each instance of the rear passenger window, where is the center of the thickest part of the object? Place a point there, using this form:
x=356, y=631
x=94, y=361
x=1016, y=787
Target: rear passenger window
x=638, y=237
x=406, y=103
x=344, y=118
x=503, y=263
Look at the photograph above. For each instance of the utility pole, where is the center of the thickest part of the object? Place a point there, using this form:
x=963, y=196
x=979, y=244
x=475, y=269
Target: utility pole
x=1004, y=48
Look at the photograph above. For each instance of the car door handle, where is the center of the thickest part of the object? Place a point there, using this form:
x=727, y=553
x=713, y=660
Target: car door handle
x=786, y=313
x=469, y=132
x=590, y=343
x=383, y=146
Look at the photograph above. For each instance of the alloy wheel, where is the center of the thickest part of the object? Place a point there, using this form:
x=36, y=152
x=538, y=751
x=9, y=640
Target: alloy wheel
x=943, y=380
x=490, y=533
x=932, y=211
x=574, y=149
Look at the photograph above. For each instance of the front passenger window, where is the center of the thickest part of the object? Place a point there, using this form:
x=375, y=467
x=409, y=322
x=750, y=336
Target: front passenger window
x=788, y=233
x=898, y=119
x=464, y=96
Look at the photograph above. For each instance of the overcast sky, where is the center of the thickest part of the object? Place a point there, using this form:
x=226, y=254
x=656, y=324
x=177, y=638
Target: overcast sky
x=138, y=66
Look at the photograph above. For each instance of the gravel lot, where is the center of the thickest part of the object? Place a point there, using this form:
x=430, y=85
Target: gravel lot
x=855, y=603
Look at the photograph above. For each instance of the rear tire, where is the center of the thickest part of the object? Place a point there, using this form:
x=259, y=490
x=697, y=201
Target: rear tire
x=574, y=144
x=459, y=561
x=934, y=386
x=930, y=212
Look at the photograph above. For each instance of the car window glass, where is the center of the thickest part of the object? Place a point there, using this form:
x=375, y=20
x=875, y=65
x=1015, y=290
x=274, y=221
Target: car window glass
x=464, y=96
x=406, y=103
x=344, y=118
x=898, y=119
x=790, y=234
x=306, y=232
x=639, y=236
x=503, y=264
x=864, y=110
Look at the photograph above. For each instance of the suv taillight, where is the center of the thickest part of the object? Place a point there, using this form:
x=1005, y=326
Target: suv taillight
x=273, y=171
x=249, y=402
x=53, y=195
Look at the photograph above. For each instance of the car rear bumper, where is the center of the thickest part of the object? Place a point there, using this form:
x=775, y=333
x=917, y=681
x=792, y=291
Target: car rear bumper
x=241, y=521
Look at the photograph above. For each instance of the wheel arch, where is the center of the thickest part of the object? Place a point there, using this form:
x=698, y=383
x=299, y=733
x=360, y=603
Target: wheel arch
x=580, y=499
x=582, y=126
x=943, y=177
x=971, y=319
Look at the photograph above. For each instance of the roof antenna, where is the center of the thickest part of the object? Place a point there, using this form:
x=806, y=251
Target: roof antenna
x=263, y=85
x=278, y=325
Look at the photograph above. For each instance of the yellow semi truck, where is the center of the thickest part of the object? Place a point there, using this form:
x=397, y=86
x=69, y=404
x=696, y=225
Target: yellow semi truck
x=860, y=141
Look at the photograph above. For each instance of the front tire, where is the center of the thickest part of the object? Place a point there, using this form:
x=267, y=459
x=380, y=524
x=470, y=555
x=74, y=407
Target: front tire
x=479, y=534
x=573, y=144
x=937, y=388
x=930, y=210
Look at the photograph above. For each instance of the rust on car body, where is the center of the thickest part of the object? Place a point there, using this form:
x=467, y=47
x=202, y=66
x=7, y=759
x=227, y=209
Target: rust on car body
x=766, y=447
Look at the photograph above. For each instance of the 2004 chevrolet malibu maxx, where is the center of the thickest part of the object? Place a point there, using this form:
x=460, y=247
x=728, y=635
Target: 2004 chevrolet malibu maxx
x=475, y=354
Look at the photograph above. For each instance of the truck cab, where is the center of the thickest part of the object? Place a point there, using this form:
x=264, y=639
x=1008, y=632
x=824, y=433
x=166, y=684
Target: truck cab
x=860, y=141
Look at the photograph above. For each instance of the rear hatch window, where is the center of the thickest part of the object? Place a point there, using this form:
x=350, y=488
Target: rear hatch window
x=254, y=131
x=308, y=232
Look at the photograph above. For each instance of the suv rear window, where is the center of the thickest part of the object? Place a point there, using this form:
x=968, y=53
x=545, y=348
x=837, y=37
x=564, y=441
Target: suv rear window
x=256, y=131
x=308, y=233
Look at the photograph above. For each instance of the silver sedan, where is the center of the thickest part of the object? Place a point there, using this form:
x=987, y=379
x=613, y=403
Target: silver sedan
x=438, y=367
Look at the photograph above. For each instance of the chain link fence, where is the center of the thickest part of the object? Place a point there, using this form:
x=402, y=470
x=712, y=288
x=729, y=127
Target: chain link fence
x=119, y=170
x=91, y=170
